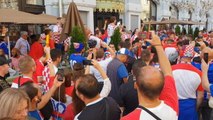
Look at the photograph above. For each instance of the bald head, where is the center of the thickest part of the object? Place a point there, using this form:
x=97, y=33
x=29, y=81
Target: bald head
x=150, y=82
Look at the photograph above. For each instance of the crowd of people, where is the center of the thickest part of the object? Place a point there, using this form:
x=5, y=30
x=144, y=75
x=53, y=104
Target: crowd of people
x=152, y=75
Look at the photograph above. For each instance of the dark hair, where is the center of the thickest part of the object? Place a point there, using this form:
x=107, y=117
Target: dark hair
x=34, y=38
x=135, y=41
x=78, y=70
x=127, y=44
x=146, y=55
x=55, y=53
x=102, y=31
x=152, y=91
x=180, y=43
x=30, y=89
x=88, y=86
x=112, y=19
x=78, y=104
x=100, y=53
x=47, y=31
x=121, y=44
x=137, y=65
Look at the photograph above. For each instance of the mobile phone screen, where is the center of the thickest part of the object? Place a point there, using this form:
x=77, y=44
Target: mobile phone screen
x=206, y=57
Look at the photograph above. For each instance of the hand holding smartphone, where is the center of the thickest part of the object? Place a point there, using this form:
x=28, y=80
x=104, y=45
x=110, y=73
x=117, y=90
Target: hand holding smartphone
x=60, y=74
x=87, y=62
x=206, y=57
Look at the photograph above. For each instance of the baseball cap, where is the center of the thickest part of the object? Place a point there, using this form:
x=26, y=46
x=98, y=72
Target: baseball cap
x=78, y=47
x=189, y=51
x=4, y=61
x=124, y=51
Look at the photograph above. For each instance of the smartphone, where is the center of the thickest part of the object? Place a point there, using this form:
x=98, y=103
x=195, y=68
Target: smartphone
x=146, y=35
x=206, y=57
x=87, y=62
x=60, y=74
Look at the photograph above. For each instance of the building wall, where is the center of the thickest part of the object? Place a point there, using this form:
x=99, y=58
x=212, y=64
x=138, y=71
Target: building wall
x=85, y=8
x=145, y=9
x=132, y=15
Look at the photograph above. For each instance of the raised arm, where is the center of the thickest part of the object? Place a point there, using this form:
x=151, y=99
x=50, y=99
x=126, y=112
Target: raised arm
x=47, y=96
x=104, y=45
x=107, y=84
x=169, y=92
x=205, y=80
x=163, y=60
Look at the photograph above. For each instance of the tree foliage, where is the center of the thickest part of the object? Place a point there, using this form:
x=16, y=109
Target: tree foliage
x=177, y=30
x=116, y=38
x=78, y=36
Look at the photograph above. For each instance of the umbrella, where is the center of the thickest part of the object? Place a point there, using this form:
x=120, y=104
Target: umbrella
x=151, y=22
x=49, y=18
x=73, y=19
x=173, y=21
x=194, y=23
x=20, y=17
x=15, y=16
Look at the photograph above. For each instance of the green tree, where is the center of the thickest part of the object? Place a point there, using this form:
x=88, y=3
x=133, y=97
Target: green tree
x=177, y=30
x=184, y=31
x=116, y=38
x=190, y=32
x=78, y=36
x=196, y=32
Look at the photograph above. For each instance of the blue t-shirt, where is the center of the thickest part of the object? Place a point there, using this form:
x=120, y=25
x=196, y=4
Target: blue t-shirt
x=76, y=58
x=210, y=75
x=122, y=71
x=211, y=90
x=34, y=114
x=3, y=46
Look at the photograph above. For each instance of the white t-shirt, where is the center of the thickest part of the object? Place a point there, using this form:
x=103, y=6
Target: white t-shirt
x=163, y=111
x=104, y=64
x=98, y=40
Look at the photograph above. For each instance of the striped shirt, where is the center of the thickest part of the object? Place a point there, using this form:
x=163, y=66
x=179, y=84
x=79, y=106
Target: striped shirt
x=23, y=46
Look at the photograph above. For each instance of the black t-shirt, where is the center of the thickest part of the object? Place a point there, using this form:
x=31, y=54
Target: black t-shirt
x=129, y=96
x=98, y=111
x=3, y=84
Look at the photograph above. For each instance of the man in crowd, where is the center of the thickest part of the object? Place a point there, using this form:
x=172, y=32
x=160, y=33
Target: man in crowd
x=157, y=93
x=188, y=84
x=117, y=73
x=27, y=68
x=22, y=44
x=37, y=101
x=97, y=108
x=103, y=62
x=52, y=68
x=4, y=69
x=128, y=91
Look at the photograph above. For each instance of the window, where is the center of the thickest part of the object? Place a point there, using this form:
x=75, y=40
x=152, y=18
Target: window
x=35, y=2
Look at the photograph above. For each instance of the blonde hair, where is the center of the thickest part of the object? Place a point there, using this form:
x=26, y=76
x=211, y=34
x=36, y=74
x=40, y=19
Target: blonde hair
x=25, y=64
x=9, y=100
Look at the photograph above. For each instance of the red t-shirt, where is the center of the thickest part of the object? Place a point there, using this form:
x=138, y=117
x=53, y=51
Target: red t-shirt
x=52, y=44
x=39, y=70
x=23, y=80
x=168, y=96
x=36, y=51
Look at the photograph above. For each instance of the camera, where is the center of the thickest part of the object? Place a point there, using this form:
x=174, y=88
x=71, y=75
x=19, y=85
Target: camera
x=146, y=35
x=60, y=74
x=87, y=62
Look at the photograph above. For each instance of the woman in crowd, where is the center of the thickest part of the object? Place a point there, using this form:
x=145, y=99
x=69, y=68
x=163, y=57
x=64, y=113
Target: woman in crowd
x=14, y=104
x=16, y=56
